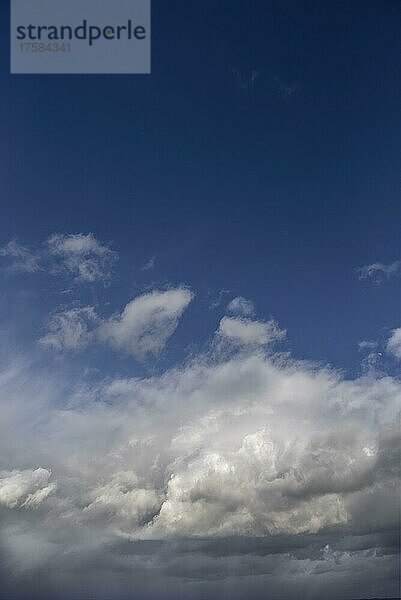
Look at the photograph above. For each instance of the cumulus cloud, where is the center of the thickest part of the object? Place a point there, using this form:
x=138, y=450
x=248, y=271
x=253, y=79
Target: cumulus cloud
x=241, y=306
x=230, y=466
x=25, y=489
x=242, y=446
x=21, y=259
x=246, y=332
x=80, y=255
x=378, y=272
x=147, y=322
x=394, y=343
x=123, y=499
x=70, y=329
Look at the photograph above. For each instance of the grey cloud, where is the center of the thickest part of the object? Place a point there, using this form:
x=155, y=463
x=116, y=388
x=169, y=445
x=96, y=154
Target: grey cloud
x=225, y=475
x=310, y=567
x=26, y=489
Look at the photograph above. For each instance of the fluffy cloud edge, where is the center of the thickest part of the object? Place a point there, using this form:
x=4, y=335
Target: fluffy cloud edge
x=142, y=329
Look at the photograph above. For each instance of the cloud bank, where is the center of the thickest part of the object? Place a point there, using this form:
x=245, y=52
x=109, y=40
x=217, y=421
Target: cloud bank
x=236, y=471
x=250, y=445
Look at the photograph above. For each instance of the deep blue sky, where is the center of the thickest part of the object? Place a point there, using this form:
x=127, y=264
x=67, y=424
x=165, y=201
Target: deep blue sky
x=276, y=190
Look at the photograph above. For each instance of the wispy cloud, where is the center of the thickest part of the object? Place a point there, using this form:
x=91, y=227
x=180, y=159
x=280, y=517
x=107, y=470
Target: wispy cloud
x=70, y=329
x=260, y=84
x=283, y=91
x=20, y=258
x=82, y=256
x=149, y=265
x=367, y=345
x=245, y=79
x=378, y=272
x=215, y=299
x=79, y=255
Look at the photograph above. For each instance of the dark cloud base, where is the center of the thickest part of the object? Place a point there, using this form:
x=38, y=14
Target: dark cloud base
x=330, y=565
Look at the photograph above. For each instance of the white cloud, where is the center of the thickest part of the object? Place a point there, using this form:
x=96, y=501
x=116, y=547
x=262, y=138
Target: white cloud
x=247, y=332
x=70, y=329
x=245, y=445
x=124, y=499
x=394, y=343
x=26, y=489
x=241, y=306
x=378, y=272
x=147, y=322
x=249, y=443
x=143, y=327
x=81, y=255
x=22, y=260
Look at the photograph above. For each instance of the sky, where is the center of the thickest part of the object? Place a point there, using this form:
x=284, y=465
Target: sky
x=200, y=325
